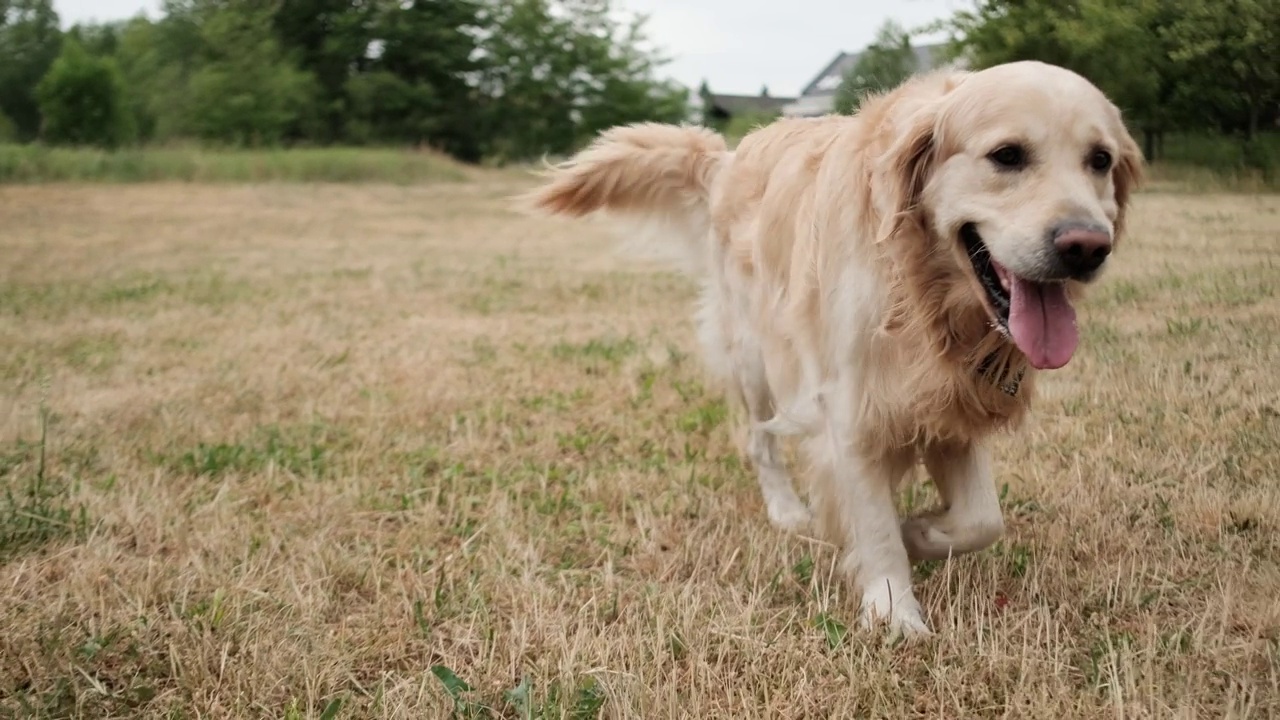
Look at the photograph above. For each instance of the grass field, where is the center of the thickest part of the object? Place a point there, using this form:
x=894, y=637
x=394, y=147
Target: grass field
x=355, y=451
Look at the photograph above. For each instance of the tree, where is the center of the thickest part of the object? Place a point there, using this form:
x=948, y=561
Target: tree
x=1229, y=53
x=97, y=40
x=1000, y=31
x=245, y=90
x=421, y=86
x=8, y=131
x=884, y=65
x=627, y=89
x=331, y=39
x=559, y=71
x=82, y=100
x=158, y=60
x=144, y=72
x=29, y=43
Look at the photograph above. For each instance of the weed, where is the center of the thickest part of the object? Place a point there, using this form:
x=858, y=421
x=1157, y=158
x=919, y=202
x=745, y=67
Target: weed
x=36, y=507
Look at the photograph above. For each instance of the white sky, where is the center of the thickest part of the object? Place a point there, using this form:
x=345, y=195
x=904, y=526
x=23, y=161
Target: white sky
x=784, y=47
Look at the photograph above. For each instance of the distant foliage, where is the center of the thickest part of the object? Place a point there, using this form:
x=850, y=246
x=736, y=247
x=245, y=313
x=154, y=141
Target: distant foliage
x=8, y=131
x=245, y=91
x=510, y=80
x=29, y=42
x=883, y=66
x=502, y=79
x=82, y=101
x=556, y=72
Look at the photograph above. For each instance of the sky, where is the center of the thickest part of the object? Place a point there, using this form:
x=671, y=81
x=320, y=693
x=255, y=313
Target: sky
x=787, y=44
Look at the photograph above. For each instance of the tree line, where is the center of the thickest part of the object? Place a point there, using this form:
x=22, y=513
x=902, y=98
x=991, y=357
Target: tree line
x=473, y=78
x=514, y=79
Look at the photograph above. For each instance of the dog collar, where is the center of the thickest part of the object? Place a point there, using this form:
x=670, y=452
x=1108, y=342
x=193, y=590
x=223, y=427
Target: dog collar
x=1008, y=382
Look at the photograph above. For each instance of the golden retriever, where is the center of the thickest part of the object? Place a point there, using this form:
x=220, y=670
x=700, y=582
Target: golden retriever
x=884, y=285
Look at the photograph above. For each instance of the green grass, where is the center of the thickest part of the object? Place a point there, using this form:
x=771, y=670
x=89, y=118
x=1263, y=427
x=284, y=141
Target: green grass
x=1213, y=163
x=1222, y=153
x=38, y=164
x=131, y=292
x=35, y=507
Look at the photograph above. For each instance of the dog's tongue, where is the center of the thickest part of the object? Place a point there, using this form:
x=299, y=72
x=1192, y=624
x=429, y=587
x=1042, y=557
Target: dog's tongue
x=1042, y=322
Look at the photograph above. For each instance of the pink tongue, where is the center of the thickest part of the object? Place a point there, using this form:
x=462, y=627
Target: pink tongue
x=1043, y=323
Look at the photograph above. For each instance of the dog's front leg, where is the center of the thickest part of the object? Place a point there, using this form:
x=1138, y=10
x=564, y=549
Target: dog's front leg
x=970, y=518
x=859, y=510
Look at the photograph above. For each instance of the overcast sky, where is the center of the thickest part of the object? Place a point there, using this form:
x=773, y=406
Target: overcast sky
x=784, y=46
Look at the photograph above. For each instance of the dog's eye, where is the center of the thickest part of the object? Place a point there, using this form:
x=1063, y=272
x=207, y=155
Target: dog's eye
x=1009, y=157
x=1100, y=160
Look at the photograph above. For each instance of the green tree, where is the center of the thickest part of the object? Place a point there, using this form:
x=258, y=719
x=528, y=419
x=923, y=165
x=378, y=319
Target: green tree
x=421, y=87
x=1228, y=53
x=97, y=40
x=144, y=72
x=245, y=90
x=559, y=71
x=1000, y=31
x=158, y=60
x=82, y=100
x=884, y=65
x=625, y=68
x=29, y=43
x=330, y=39
x=8, y=131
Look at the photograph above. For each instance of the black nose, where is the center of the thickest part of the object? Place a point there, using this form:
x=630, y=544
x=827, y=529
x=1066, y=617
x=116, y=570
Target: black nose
x=1081, y=248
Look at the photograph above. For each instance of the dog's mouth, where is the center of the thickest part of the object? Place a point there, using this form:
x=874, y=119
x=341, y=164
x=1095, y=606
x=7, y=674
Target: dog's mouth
x=995, y=284
x=1037, y=315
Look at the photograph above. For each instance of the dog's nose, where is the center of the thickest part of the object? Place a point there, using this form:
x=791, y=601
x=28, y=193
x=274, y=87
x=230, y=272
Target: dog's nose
x=1082, y=248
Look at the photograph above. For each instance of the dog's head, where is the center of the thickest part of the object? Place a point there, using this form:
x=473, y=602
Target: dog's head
x=1019, y=175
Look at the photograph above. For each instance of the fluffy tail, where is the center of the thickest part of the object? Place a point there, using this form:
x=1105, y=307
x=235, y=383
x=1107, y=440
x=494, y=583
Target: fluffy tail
x=655, y=178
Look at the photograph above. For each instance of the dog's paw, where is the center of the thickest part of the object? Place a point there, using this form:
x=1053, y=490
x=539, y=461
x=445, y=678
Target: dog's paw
x=789, y=514
x=902, y=613
x=931, y=537
x=924, y=540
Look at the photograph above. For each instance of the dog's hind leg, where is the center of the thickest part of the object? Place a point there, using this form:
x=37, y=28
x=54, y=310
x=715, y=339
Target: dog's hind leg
x=786, y=510
x=970, y=518
x=733, y=353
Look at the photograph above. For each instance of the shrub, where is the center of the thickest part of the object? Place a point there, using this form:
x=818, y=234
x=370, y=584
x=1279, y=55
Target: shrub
x=82, y=101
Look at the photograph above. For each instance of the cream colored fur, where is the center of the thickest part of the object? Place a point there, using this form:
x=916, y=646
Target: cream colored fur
x=838, y=302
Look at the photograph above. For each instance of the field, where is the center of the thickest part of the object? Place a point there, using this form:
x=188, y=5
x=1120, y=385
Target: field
x=362, y=451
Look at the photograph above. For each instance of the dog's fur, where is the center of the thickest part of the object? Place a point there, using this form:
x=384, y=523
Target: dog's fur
x=839, y=303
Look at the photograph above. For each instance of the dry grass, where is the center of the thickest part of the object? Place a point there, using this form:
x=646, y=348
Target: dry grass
x=317, y=451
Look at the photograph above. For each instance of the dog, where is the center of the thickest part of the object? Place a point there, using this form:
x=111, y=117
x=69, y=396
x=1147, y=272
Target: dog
x=885, y=286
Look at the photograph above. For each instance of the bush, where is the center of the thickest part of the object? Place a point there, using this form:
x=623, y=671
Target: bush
x=82, y=101
x=8, y=130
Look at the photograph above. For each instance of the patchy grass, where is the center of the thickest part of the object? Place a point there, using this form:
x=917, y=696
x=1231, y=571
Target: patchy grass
x=39, y=164
x=380, y=451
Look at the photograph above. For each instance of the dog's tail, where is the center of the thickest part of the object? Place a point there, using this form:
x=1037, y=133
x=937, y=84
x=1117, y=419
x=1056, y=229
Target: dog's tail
x=655, y=178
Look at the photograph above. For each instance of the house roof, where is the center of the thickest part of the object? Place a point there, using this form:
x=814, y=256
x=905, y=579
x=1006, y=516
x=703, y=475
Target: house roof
x=735, y=104
x=927, y=58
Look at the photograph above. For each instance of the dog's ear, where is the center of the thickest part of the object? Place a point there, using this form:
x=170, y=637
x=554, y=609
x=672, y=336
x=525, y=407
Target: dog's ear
x=903, y=169
x=1128, y=175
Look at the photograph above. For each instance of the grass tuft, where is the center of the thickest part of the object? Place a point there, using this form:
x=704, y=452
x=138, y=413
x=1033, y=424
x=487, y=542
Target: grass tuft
x=36, y=508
